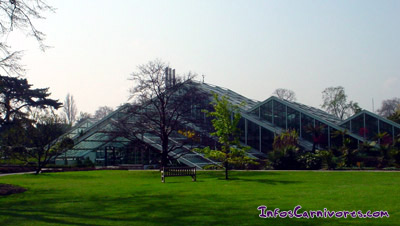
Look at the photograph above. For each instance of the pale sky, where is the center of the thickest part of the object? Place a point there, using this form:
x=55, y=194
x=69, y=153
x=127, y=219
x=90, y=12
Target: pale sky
x=251, y=47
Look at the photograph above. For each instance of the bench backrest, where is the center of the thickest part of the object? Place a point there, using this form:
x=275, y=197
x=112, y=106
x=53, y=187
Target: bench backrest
x=179, y=171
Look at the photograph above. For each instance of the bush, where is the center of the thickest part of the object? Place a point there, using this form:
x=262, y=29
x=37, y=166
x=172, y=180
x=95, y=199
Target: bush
x=309, y=161
x=86, y=163
x=328, y=160
x=284, y=161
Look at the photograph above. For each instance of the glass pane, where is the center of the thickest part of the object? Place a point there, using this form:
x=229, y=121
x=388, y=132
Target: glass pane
x=396, y=131
x=385, y=127
x=306, y=123
x=346, y=125
x=279, y=115
x=266, y=111
x=253, y=135
x=336, y=138
x=255, y=112
x=321, y=135
x=371, y=124
x=267, y=139
x=293, y=119
x=241, y=126
x=357, y=125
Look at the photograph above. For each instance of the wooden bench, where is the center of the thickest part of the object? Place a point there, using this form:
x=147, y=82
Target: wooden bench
x=178, y=171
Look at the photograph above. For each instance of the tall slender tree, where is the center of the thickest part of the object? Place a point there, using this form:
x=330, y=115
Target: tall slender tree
x=70, y=109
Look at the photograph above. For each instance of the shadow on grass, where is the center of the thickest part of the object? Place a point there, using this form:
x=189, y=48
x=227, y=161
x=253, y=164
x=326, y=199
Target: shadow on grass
x=144, y=209
x=62, y=175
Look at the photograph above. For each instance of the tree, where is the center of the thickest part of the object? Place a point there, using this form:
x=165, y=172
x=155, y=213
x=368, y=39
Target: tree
x=17, y=97
x=335, y=102
x=389, y=107
x=44, y=141
x=225, y=119
x=19, y=15
x=161, y=102
x=285, y=94
x=83, y=116
x=102, y=112
x=395, y=117
x=70, y=109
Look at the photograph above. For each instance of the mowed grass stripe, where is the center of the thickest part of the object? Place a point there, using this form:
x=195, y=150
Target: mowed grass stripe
x=139, y=198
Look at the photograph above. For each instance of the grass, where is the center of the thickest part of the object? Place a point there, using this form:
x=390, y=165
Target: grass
x=139, y=198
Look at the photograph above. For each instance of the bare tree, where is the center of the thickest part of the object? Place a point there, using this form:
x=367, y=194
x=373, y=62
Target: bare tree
x=161, y=102
x=19, y=15
x=70, y=109
x=335, y=102
x=103, y=112
x=389, y=107
x=83, y=116
x=285, y=94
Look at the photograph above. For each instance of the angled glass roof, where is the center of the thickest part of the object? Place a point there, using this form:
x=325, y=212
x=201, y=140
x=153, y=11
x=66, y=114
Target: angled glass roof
x=372, y=115
x=91, y=135
x=305, y=109
x=232, y=96
x=80, y=128
x=317, y=112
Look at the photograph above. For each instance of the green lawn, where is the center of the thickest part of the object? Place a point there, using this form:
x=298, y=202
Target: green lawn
x=139, y=198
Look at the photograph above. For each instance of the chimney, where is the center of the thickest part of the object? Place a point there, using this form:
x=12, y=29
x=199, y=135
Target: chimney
x=173, y=77
x=169, y=77
x=166, y=77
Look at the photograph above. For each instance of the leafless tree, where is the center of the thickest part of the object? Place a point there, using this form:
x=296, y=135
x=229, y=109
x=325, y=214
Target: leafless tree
x=161, y=104
x=285, y=94
x=70, y=109
x=83, y=116
x=19, y=15
x=102, y=112
x=389, y=107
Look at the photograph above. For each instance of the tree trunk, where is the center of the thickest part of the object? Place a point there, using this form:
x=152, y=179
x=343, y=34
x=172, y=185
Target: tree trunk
x=38, y=168
x=164, y=153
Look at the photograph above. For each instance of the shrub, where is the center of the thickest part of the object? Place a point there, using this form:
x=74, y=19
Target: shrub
x=309, y=161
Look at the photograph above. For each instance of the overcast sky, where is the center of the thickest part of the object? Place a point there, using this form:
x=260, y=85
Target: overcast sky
x=251, y=47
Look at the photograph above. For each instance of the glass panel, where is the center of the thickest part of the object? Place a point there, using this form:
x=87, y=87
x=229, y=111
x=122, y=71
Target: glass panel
x=293, y=119
x=306, y=122
x=336, y=139
x=255, y=112
x=253, y=135
x=371, y=124
x=385, y=127
x=321, y=138
x=396, y=131
x=242, y=128
x=279, y=115
x=357, y=125
x=346, y=125
x=266, y=111
x=267, y=139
